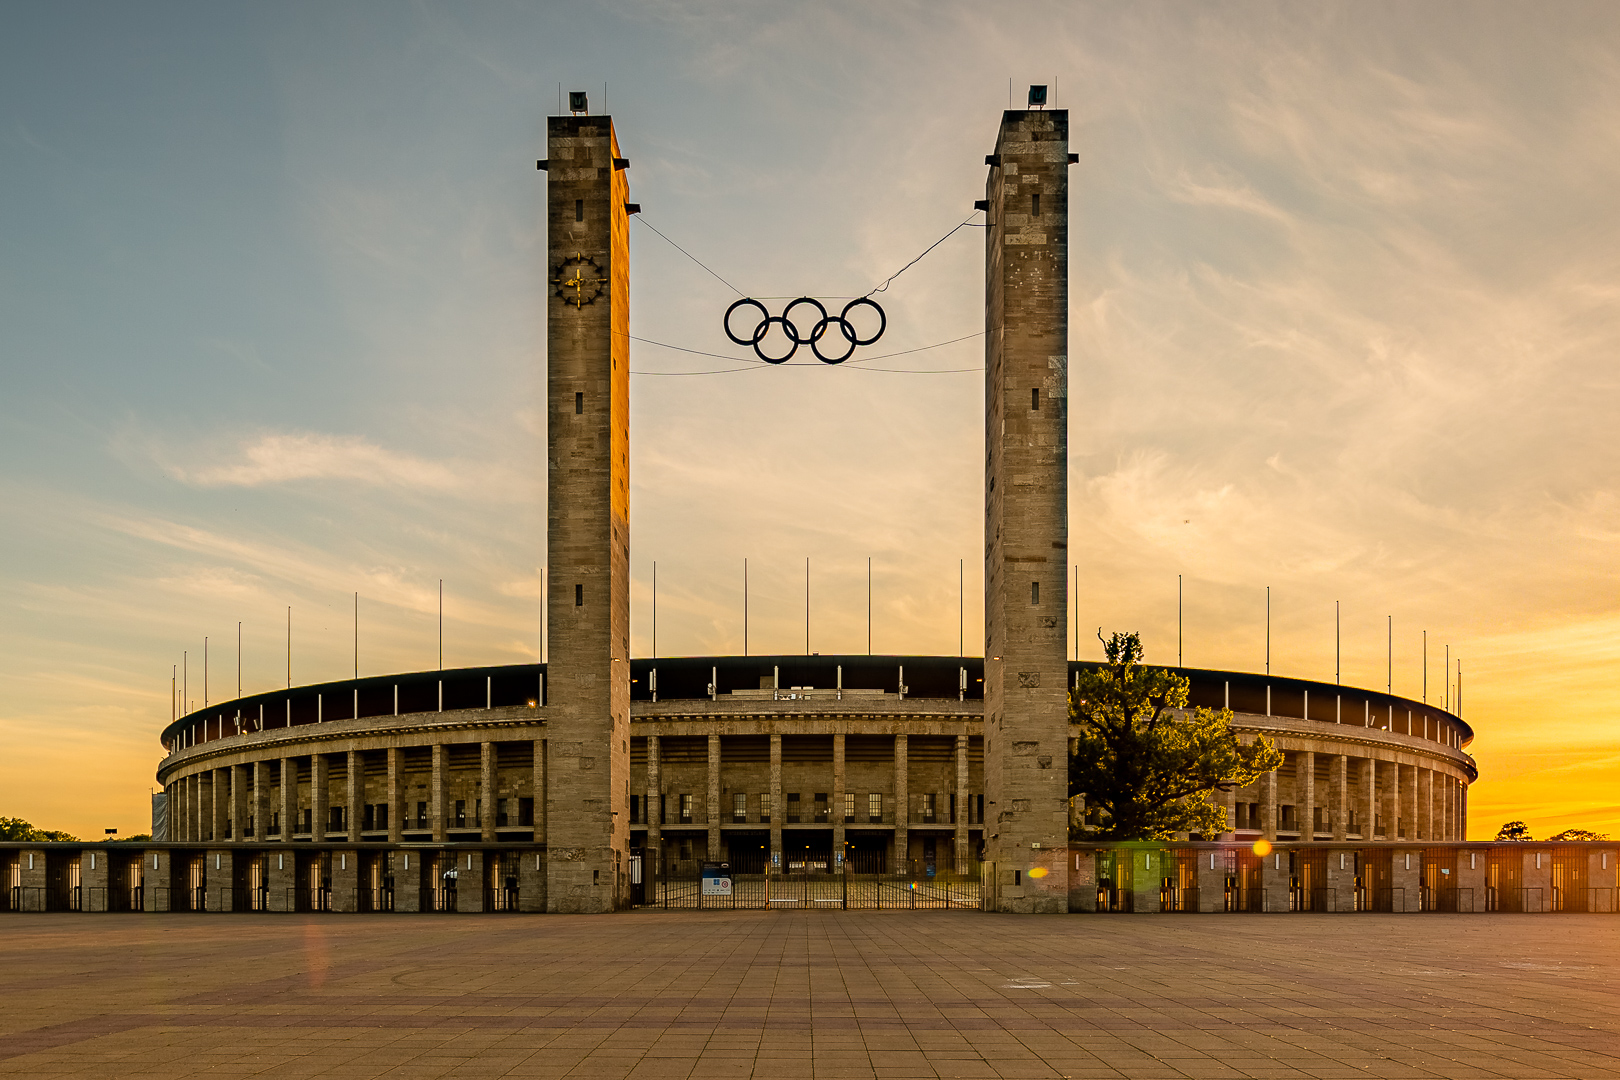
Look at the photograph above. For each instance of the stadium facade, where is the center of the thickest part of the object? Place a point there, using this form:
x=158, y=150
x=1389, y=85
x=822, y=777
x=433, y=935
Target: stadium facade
x=594, y=781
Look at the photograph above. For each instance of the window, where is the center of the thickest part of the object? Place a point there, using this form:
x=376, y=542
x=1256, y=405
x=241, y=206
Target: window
x=1035, y=204
x=1034, y=592
x=421, y=815
x=579, y=403
x=764, y=806
x=579, y=595
x=461, y=813
x=821, y=808
x=579, y=209
x=526, y=813
x=874, y=808
x=635, y=810
x=739, y=807
x=793, y=808
x=369, y=822
x=686, y=809
x=849, y=806
x=953, y=809
x=1034, y=398
x=928, y=804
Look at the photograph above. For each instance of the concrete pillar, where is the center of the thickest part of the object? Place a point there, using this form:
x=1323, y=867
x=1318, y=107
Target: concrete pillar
x=1083, y=880
x=1406, y=877
x=196, y=818
x=470, y=881
x=437, y=804
x=356, y=790
x=155, y=881
x=588, y=527
x=962, y=814
x=711, y=801
x=345, y=880
x=219, y=805
x=289, y=799
x=1274, y=880
x=777, y=810
x=1341, y=879
x=1537, y=879
x=1424, y=811
x=237, y=778
x=408, y=881
x=902, y=806
x=396, y=795
x=1305, y=794
x=1391, y=771
x=320, y=795
x=1339, y=798
x=1367, y=798
x=1268, y=805
x=653, y=859
x=219, y=874
x=1211, y=879
x=1471, y=882
x=1147, y=878
x=1026, y=513
x=94, y=880
x=1413, y=831
x=837, y=808
x=487, y=791
x=281, y=874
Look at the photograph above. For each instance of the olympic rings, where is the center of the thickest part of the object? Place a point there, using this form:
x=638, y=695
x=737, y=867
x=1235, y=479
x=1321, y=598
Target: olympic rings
x=796, y=337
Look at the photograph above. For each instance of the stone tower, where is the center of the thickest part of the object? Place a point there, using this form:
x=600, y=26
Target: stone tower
x=1026, y=514
x=588, y=518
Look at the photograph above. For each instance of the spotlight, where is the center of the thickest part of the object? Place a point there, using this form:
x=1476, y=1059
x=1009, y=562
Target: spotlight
x=1037, y=97
x=579, y=103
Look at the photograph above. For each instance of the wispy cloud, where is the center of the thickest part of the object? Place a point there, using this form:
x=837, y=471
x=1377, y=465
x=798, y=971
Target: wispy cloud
x=287, y=458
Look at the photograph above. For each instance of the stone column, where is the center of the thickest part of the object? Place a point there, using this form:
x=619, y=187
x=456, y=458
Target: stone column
x=962, y=814
x=469, y=880
x=1391, y=798
x=1268, y=805
x=777, y=810
x=356, y=766
x=396, y=796
x=320, y=796
x=436, y=805
x=487, y=792
x=240, y=812
x=1305, y=790
x=902, y=805
x=1367, y=792
x=261, y=800
x=711, y=801
x=1341, y=880
x=1411, y=793
x=197, y=819
x=346, y=879
x=653, y=859
x=1026, y=513
x=836, y=811
x=289, y=798
x=219, y=804
x=1339, y=798
x=1432, y=822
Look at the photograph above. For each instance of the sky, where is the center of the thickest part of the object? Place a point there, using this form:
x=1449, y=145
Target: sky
x=1343, y=324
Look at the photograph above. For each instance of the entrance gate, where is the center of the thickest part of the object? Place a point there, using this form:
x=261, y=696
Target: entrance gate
x=682, y=888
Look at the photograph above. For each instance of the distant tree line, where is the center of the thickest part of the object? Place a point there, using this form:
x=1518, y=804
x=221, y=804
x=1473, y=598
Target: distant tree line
x=1518, y=830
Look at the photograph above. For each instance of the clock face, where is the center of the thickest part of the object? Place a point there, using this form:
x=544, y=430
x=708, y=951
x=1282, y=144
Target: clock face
x=578, y=281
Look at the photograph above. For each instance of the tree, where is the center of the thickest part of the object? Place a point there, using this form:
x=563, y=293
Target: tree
x=1514, y=830
x=15, y=830
x=1577, y=834
x=1146, y=759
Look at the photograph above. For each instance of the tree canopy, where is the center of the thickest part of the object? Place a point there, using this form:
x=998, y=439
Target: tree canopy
x=1146, y=759
x=1514, y=830
x=1577, y=834
x=16, y=830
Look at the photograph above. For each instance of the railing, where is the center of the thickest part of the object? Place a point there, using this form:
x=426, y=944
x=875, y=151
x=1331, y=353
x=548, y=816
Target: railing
x=801, y=892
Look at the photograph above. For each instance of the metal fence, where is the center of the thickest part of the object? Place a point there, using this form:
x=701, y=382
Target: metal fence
x=805, y=892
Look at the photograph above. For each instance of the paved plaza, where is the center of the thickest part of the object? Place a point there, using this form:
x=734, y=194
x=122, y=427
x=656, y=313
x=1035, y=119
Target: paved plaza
x=810, y=994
